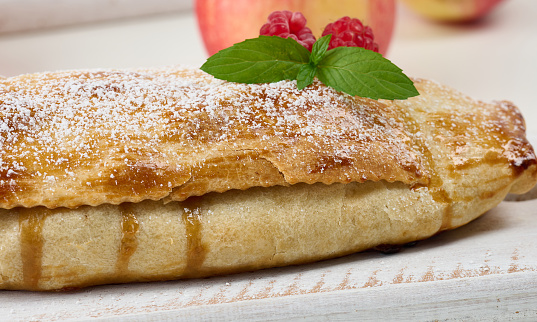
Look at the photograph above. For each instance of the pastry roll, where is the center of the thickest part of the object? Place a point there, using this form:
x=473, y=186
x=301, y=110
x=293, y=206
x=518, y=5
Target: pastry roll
x=115, y=176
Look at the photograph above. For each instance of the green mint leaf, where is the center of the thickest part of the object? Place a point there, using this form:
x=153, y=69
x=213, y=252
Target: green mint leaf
x=362, y=72
x=319, y=49
x=305, y=75
x=266, y=59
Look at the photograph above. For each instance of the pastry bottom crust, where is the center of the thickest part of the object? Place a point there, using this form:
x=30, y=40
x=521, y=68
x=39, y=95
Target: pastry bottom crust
x=220, y=233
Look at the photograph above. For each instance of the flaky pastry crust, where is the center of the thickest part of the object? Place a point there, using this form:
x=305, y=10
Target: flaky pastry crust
x=111, y=176
x=92, y=137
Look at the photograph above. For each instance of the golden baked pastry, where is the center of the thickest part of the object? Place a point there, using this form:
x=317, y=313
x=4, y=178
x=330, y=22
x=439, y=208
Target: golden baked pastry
x=111, y=176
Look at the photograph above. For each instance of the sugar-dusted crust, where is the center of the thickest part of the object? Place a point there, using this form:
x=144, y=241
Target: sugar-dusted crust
x=92, y=137
x=243, y=176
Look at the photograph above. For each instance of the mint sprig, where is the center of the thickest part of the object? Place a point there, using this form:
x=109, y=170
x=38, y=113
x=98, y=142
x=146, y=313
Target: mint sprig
x=353, y=70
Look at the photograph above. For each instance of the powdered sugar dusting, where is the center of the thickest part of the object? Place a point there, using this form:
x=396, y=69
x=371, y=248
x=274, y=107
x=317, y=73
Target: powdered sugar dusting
x=131, y=135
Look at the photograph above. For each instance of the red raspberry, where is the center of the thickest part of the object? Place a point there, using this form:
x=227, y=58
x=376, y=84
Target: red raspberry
x=347, y=32
x=287, y=24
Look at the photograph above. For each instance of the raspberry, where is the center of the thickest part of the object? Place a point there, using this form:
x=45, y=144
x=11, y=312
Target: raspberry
x=287, y=24
x=347, y=32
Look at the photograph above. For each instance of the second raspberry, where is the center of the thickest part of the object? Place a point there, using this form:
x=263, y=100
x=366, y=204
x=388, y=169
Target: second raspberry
x=350, y=32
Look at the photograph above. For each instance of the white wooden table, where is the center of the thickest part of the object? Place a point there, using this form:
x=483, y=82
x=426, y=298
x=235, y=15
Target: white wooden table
x=486, y=270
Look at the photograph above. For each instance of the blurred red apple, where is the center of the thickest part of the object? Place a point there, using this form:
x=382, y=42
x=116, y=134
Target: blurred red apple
x=452, y=10
x=225, y=22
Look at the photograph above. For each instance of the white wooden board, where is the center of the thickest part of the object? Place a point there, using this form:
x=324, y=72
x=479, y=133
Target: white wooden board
x=486, y=270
